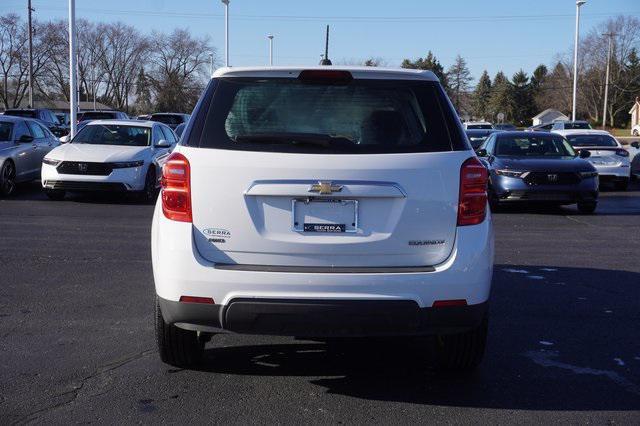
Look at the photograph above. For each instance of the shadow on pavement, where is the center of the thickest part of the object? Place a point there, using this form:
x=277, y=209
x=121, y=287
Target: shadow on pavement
x=560, y=339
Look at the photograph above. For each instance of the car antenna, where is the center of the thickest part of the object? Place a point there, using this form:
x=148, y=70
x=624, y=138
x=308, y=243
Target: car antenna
x=326, y=60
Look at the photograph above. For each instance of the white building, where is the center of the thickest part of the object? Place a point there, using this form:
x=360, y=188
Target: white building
x=548, y=116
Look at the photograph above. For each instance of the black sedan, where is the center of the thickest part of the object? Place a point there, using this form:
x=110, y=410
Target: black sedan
x=538, y=167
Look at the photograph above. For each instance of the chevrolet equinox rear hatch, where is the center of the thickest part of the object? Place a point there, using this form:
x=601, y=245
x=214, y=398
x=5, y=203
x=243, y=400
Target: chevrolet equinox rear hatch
x=324, y=169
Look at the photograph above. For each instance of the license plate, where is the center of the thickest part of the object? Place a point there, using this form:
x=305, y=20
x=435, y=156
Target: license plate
x=328, y=216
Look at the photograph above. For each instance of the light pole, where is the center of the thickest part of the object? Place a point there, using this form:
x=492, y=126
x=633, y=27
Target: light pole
x=73, y=100
x=575, y=57
x=29, y=10
x=270, y=37
x=226, y=32
x=606, y=84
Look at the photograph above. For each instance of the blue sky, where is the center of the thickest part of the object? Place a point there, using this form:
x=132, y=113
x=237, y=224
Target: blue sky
x=491, y=34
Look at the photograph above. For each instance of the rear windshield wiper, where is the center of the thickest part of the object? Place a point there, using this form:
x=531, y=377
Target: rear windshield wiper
x=318, y=139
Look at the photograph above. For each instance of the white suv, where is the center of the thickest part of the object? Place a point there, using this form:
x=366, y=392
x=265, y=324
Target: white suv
x=323, y=203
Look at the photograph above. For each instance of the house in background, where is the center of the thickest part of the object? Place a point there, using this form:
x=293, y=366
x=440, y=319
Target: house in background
x=548, y=116
x=635, y=118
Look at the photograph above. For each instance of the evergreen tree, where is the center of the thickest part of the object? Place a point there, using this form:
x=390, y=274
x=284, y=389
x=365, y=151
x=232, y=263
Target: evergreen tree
x=522, y=99
x=538, y=80
x=429, y=63
x=481, y=97
x=501, y=100
x=459, y=78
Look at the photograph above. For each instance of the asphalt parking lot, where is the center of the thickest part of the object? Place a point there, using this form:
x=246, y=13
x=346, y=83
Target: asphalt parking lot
x=77, y=342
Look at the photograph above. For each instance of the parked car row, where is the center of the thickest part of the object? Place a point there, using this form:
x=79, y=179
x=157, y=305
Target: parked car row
x=123, y=156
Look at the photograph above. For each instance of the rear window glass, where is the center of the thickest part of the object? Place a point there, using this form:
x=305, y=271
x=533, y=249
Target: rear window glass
x=361, y=116
x=99, y=115
x=480, y=126
x=21, y=113
x=576, y=125
x=591, y=140
x=167, y=119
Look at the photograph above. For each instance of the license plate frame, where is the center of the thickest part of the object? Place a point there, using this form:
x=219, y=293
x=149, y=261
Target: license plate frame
x=298, y=225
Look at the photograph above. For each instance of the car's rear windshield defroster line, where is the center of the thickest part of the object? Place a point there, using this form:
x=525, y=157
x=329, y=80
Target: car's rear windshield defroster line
x=364, y=116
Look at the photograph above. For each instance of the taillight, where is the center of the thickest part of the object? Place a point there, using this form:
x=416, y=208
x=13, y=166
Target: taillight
x=472, y=204
x=325, y=76
x=176, y=188
x=622, y=152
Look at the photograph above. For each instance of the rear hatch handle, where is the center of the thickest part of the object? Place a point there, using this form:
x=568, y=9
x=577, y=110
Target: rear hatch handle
x=336, y=188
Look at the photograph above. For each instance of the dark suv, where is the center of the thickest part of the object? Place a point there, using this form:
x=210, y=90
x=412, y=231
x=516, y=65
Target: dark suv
x=44, y=115
x=171, y=119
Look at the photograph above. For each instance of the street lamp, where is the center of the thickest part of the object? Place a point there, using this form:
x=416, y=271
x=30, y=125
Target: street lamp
x=270, y=37
x=606, y=84
x=226, y=32
x=575, y=57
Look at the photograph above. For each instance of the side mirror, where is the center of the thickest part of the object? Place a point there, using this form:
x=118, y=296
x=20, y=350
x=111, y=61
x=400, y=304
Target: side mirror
x=635, y=144
x=481, y=152
x=162, y=143
x=584, y=153
x=64, y=139
x=25, y=139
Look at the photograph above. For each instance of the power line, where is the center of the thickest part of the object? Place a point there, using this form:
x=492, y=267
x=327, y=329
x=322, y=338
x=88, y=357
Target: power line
x=405, y=19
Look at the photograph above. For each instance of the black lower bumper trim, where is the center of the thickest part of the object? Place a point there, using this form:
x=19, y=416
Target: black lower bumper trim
x=326, y=269
x=324, y=318
x=76, y=186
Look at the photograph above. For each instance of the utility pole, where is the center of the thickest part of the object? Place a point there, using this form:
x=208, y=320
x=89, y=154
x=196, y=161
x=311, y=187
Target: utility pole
x=93, y=78
x=606, y=84
x=575, y=58
x=270, y=37
x=29, y=10
x=226, y=32
x=73, y=85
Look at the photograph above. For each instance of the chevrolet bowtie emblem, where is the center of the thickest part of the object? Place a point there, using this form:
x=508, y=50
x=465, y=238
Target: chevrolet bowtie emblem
x=325, y=188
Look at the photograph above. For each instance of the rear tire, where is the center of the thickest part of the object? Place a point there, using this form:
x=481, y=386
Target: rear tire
x=464, y=351
x=7, y=178
x=55, y=194
x=177, y=347
x=621, y=185
x=587, y=207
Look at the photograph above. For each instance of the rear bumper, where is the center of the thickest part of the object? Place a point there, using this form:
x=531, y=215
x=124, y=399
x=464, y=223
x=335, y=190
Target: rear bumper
x=323, y=318
x=179, y=270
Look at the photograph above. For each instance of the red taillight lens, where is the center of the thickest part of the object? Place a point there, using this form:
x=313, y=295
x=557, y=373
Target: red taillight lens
x=622, y=152
x=196, y=299
x=449, y=303
x=176, y=188
x=472, y=205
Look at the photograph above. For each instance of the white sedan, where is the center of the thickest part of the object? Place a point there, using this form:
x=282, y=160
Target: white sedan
x=109, y=155
x=608, y=156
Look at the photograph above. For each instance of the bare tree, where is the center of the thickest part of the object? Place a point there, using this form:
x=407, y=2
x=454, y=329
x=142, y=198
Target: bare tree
x=13, y=39
x=179, y=68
